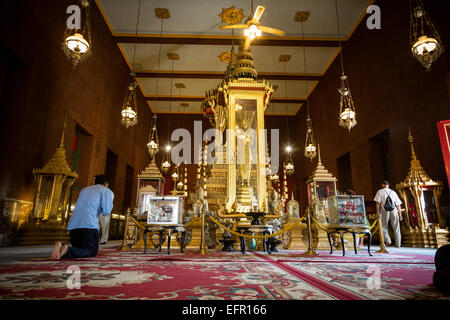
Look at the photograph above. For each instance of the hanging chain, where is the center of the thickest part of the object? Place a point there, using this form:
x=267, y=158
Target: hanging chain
x=412, y=25
x=170, y=102
x=304, y=63
x=159, y=58
x=339, y=37
x=287, y=110
x=136, y=34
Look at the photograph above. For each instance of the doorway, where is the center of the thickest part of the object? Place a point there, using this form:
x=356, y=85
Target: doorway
x=382, y=160
x=345, y=180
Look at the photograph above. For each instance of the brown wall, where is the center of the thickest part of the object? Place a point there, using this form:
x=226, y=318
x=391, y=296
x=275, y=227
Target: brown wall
x=38, y=87
x=391, y=91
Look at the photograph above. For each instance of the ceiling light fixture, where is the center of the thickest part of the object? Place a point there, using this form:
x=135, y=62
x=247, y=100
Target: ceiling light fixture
x=347, y=111
x=129, y=115
x=425, y=48
x=153, y=144
x=289, y=165
x=252, y=27
x=77, y=42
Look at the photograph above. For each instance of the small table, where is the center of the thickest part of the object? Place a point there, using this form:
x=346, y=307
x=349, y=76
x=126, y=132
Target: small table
x=252, y=229
x=161, y=228
x=348, y=229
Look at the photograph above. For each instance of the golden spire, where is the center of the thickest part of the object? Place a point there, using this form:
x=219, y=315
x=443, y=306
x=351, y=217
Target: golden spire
x=416, y=175
x=321, y=173
x=320, y=159
x=61, y=144
x=58, y=163
x=411, y=141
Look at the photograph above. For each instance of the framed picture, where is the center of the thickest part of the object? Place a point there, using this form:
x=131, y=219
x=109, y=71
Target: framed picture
x=347, y=211
x=164, y=210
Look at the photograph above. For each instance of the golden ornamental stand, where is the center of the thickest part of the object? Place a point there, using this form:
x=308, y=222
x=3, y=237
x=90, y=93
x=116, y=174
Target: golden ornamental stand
x=203, y=248
x=311, y=251
x=125, y=233
x=382, y=246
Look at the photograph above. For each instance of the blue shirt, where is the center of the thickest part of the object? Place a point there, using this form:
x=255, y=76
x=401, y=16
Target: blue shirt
x=92, y=201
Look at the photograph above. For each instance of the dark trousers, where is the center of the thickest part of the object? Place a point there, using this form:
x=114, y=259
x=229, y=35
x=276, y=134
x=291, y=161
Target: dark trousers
x=84, y=243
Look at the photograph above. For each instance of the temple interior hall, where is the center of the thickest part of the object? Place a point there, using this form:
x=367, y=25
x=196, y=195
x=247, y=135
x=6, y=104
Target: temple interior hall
x=225, y=150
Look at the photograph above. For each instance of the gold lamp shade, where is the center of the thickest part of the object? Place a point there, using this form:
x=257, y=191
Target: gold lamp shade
x=77, y=44
x=425, y=46
x=129, y=117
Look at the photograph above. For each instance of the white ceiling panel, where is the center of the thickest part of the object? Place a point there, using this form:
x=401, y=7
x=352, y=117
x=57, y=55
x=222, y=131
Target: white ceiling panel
x=206, y=58
x=175, y=106
x=201, y=16
x=198, y=87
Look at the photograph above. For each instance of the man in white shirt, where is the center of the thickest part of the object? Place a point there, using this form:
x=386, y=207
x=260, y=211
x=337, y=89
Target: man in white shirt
x=393, y=216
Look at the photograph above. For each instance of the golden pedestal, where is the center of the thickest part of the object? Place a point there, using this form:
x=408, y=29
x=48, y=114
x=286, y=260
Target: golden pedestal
x=196, y=233
x=427, y=238
x=42, y=234
x=298, y=236
x=245, y=197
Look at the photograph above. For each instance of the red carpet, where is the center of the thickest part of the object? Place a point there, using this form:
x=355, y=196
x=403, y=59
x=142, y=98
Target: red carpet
x=287, y=275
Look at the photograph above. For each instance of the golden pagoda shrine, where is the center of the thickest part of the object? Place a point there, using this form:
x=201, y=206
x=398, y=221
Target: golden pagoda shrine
x=51, y=212
x=320, y=185
x=424, y=223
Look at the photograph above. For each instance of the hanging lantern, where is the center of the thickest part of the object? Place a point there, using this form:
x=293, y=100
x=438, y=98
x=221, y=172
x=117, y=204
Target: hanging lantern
x=425, y=48
x=289, y=165
x=310, y=145
x=129, y=107
x=165, y=167
x=153, y=144
x=275, y=178
x=347, y=112
x=77, y=42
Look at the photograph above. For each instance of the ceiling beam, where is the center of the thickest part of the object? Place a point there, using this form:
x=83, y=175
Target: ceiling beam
x=200, y=98
x=220, y=75
x=225, y=40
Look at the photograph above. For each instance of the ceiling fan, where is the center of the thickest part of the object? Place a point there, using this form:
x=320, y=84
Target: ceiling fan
x=253, y=27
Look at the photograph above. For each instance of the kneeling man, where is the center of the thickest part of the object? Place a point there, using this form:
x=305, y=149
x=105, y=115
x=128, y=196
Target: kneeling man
x=83, y=224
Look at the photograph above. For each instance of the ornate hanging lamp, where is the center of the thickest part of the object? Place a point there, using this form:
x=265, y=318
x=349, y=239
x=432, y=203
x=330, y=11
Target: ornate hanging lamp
x=153, y=144
x=310, y=151
x=165, y=166
x=289, y=164
x=426, y=44
x=310, y=145
x=347, y=111
x=77, y=40
x=129, y=108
